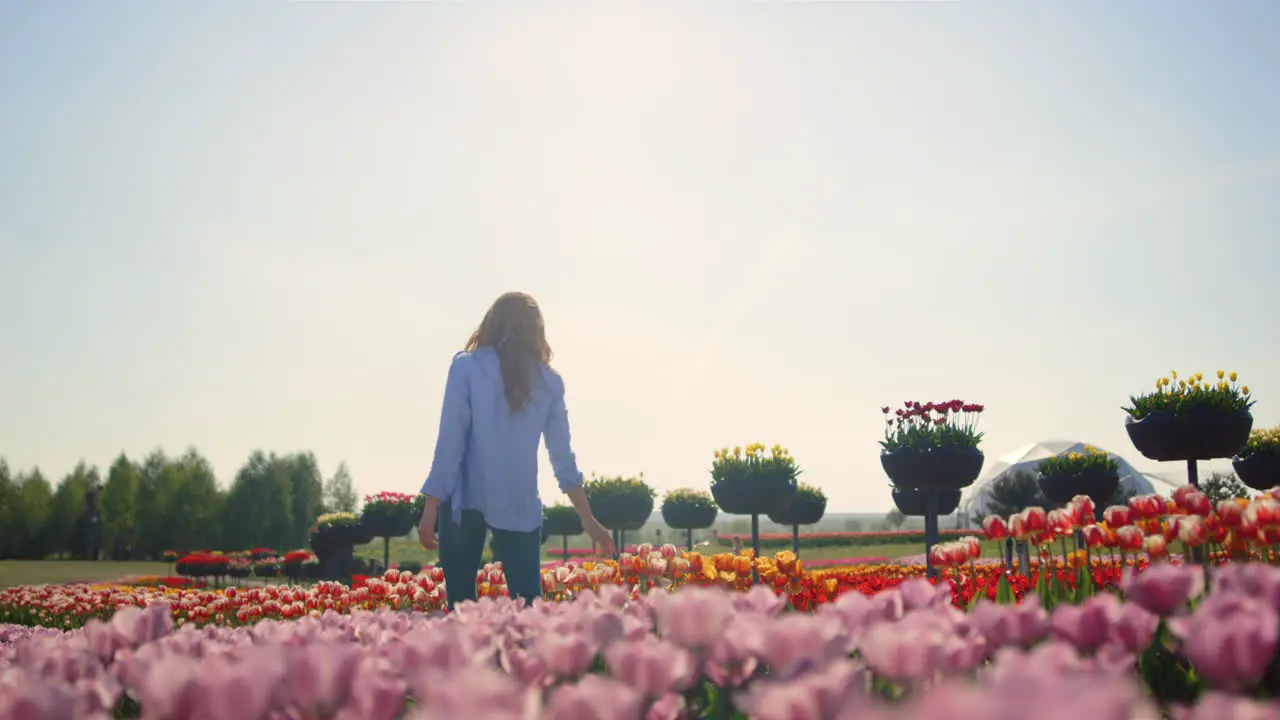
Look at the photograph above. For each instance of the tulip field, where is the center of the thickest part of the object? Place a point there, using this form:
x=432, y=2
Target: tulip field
x=1105, y=620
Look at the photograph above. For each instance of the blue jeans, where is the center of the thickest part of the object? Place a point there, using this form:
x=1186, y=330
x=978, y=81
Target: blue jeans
x=462, y=549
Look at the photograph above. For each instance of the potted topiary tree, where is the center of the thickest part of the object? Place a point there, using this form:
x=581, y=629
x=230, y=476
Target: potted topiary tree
x=932, y=448
x=1090, y=472
x=753, y=482
x=688, y=509
x=807, y=507
x=561, y=520
x=1258, y=463
x=620, y=504
x=390, y=514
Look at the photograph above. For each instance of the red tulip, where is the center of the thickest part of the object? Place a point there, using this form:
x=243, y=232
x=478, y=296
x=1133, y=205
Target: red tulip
x=1117, y=516
x=1093, y=536
x=1230, y=513
x=994, y=527
x=1192, y=531
x=1037, y=519
x=1082, y=508
x=1129, y=537
x=1156, y=546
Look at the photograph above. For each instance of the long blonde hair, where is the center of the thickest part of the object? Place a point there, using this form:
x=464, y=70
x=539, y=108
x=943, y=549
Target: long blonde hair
x=513, y=327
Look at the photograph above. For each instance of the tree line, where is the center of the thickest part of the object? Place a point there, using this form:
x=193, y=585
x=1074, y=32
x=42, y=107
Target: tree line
x=163, y=502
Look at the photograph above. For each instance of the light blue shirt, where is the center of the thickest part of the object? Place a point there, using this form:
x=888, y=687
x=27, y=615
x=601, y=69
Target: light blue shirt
x=487, y=457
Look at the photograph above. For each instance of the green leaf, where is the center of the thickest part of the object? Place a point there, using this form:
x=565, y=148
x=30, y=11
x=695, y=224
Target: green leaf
x=1004, y=591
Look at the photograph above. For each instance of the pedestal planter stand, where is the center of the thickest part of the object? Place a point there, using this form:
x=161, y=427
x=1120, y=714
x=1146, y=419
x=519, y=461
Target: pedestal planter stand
x=621, y=513
x=806, y=508
x=932, y=472
x=1200, y=435
x=689, y=510
x=563, y=521
x=744, y=497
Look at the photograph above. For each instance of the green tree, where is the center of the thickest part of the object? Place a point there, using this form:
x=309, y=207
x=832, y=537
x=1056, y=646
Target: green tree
x=196, y=503
x=35, y=502
x=67, y=508
x=1224, y=486
x=339, y=492
x=894, y=518
x=119, y=508
x=258, y=508
x=1014, y=492
x=10, y=513
x=155, y=488
x=306, y=496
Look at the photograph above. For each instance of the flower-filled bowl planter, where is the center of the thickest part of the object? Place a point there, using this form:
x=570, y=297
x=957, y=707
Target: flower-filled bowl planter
x=561, y=520
x=1190, y=419
x=1258, y=463
x=932, y=446
x=915, y=503
x=940, y=468
x=1090, y=472
x=753, y=482
x=620, y=503
x=807, y=507
x=336, y=530
x=390, y=514
x=688, y=509
x=239, y=569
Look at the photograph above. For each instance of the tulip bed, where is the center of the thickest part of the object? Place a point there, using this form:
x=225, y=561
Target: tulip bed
x=905, y=652
x=1118, y=629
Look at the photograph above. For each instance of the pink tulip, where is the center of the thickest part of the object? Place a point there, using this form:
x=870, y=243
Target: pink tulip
x=1163, y=588
x=1230, y=639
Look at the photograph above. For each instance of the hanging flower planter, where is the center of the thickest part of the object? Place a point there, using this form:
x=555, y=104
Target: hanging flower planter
x=753, y=483
x=750, y=482
x=939, y=468
x=1091, y=472
x=1190, y=419
x=1258, y=464
x=620, y=503
x=687, y=509
x=932, y=446
x=915, y=503
x=561, y=520
x=807, y=507
x=390, y=514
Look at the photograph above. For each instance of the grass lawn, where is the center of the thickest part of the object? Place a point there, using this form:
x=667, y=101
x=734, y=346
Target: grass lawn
x=61, y=572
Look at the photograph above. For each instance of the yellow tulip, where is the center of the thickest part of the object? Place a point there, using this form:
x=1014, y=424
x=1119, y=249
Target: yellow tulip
x=1221, y=374
x=1245, y=390
x=1232, y=376
x=1174, y=374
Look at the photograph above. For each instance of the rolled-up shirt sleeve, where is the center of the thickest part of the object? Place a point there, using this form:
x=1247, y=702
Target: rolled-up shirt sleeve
x=556, y=435
x=451, y=442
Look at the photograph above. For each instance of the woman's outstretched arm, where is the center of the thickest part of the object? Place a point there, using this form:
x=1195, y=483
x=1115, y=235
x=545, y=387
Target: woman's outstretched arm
x=451, y=442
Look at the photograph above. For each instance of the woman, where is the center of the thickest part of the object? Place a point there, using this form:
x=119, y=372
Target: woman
x=500, y=400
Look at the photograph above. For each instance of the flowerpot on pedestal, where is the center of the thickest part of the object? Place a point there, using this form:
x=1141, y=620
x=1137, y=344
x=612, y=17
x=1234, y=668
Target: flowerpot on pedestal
x=1199, y=435
x=688, y=517
x=1260, y=471
x=913, y=503
x=1099, y=484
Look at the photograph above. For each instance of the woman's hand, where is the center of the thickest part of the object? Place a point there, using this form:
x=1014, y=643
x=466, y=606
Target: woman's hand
x=427, y=525
x=601, y=538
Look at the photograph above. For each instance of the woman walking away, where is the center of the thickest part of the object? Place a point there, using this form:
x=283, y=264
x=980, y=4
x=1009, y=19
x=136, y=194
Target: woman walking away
x=500, y=399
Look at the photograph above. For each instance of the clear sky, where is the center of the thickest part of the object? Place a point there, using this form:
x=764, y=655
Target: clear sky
x=243, y=225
